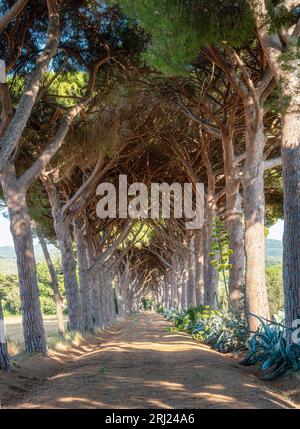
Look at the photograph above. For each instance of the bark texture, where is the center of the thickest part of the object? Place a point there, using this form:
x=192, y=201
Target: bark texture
x=199, y=267
x=20, y=226
x=235, y=227
x=84, y=281
x=4, y=357
x=64, y=238
x=54, y=283
x=254, y=205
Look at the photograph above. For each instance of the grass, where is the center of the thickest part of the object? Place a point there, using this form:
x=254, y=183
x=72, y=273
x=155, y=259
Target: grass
x=14, y=330
x=15, y=339
x=59, y=343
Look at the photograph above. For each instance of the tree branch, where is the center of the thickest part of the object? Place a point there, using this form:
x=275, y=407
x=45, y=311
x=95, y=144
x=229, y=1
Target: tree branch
x=40, y=164
x=11, y=139
x=271, y=163
x=12, y=13
x=7, y=108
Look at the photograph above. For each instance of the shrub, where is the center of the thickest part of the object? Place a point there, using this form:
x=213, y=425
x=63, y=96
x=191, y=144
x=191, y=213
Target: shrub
x=268, y=346
x=223, y=330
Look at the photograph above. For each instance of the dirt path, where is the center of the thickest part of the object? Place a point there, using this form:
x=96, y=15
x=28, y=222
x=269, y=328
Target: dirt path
x=140, y=364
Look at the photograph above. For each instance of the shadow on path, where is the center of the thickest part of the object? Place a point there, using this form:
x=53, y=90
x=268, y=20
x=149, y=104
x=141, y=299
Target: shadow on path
x=140, y=364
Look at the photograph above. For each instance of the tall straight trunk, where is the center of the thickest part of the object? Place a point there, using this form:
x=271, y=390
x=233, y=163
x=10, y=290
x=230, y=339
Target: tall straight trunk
x=124, y=288
x=164, y=295
x=119, y=300
x=235, y=227
x=184, y=282
x=63, y=234
x=4, y=357
x=288, y=80
x=211, y=275
x=98, y=308
x=93, y=278
x=191, y=290
x=199, y=267
x=65, y=242
x=179, y=288
x=290, y=152
x=20, y=226
x=110, y=294
x=291, y=236
x=104, y=297
x=173, y=285
x=54, y=282
x=85, y=292
x=254, y=206
x=167, y=292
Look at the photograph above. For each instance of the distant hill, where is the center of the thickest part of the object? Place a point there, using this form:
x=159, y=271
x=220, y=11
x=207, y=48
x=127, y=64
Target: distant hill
x=273, y=252
x=8, y=264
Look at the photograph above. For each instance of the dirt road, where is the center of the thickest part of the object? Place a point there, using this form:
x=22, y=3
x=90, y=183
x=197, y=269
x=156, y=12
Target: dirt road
x=139, y=363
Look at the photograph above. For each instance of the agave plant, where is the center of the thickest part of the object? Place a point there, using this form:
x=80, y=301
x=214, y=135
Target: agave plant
x=226, y=332
x=268, y=346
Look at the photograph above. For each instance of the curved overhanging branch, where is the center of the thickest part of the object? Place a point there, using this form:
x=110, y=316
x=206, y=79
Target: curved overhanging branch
x=12, y=13
x=11, y=139
x=42, y=161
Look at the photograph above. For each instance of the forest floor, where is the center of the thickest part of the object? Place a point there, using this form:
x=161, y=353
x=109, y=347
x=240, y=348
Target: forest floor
x=140, y=363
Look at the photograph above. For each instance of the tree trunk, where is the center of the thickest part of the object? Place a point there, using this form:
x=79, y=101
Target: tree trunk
x=62, y=229
x=254, y=206
x=291, y=236
x=179, y=289
x=167, y=292
x=184, y=283
x=54, y=283
x=211, y=275
x=199, y=273
x=288, y=80
x=290, y=152
x=4, y=357
x=94, y=287
x=173, y=285
x=191, y=290
x=235, y=228
x=110, y=296
x=98, y=307
x=85, y=292
x=20, y=226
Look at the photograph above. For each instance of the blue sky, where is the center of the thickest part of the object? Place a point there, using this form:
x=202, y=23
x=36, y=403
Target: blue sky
x=275, y=233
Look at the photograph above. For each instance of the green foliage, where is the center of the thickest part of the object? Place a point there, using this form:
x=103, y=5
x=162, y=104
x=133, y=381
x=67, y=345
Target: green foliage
x=66, y=87
x=220, y=250
x=179, y=28
x=224, y=330
x=9, y=294
x=9, y=290
x=220, y=247
x=274, y=283
x=279, y=16
x=46, y=292
x=268, y=346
